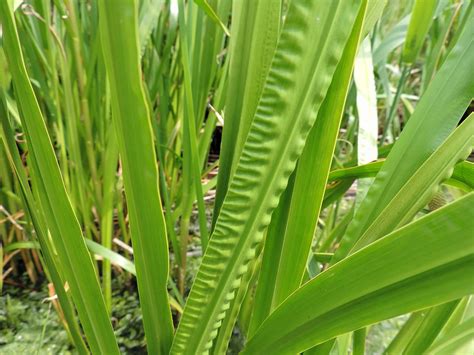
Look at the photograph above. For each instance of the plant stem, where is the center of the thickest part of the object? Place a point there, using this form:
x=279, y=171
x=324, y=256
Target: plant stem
x=396, y=100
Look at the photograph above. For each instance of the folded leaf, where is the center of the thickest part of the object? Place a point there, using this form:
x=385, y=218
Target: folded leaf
x=295, y=87
x=428, y=262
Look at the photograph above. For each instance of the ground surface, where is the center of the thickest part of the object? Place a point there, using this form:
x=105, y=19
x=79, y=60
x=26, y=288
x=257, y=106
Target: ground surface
x=30, y=325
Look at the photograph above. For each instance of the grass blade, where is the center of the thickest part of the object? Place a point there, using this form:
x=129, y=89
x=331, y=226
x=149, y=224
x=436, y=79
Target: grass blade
x=436, y=115
x=254, y=37
x=64, y=227
x=429, y=323
x=131, y=117
x=51, y=263
x=420, y=22
x=269, y=156
x=275, y=284
x=420, y=188
x=455, y=339
x=418, y=266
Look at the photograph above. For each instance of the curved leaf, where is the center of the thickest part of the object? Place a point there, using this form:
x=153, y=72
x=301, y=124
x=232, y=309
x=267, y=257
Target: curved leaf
x=212, y=14
x=420, y=188
x=428, y=262
x=254, y=38
x=436, y=115
x=392, y=40
x=310, y=182
x=295, y=87
x=464, y=172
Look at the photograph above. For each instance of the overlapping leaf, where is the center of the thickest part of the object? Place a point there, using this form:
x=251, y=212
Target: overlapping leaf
x=61, y=220
x=296, y=84
x=428, y=262
x=132, y=125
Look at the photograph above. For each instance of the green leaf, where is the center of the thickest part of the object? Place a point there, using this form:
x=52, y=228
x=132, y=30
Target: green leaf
x=420, y=22
x=419, y=189
x=203, y=4
x=438, y=41
x=355, y=172
x=464, y=172
x=359, y=338
x=435, y=116
x=399, y=343
x=255, y=30
x=422, y=329
x=455, y=339
x=274, y=239
x=310, y=183
x=131, y=117
x=295, y=87
x=107, y=211
x=149, y=13
x=59, y=215
x=374, y=13
x=191, y=169
x=393, y=39
x=417, y=266
x=228, y=323
x=25, y=244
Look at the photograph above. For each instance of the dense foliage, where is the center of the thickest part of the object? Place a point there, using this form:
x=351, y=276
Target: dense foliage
x=315, y=153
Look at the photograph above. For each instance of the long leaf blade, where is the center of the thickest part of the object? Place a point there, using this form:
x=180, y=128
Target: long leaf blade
x=131, y=117
x=418, y=266
x=61, y=220
x=434, y=118
x=269, y=156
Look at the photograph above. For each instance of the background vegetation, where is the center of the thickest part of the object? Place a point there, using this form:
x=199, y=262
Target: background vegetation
x=317, y=152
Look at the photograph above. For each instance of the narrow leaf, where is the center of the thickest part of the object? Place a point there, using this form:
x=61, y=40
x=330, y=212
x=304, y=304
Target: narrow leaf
x=416, y=267
x=61, y=220
x=295, y=87
x=131, y=117
x=435, y=116
x=420, y=22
